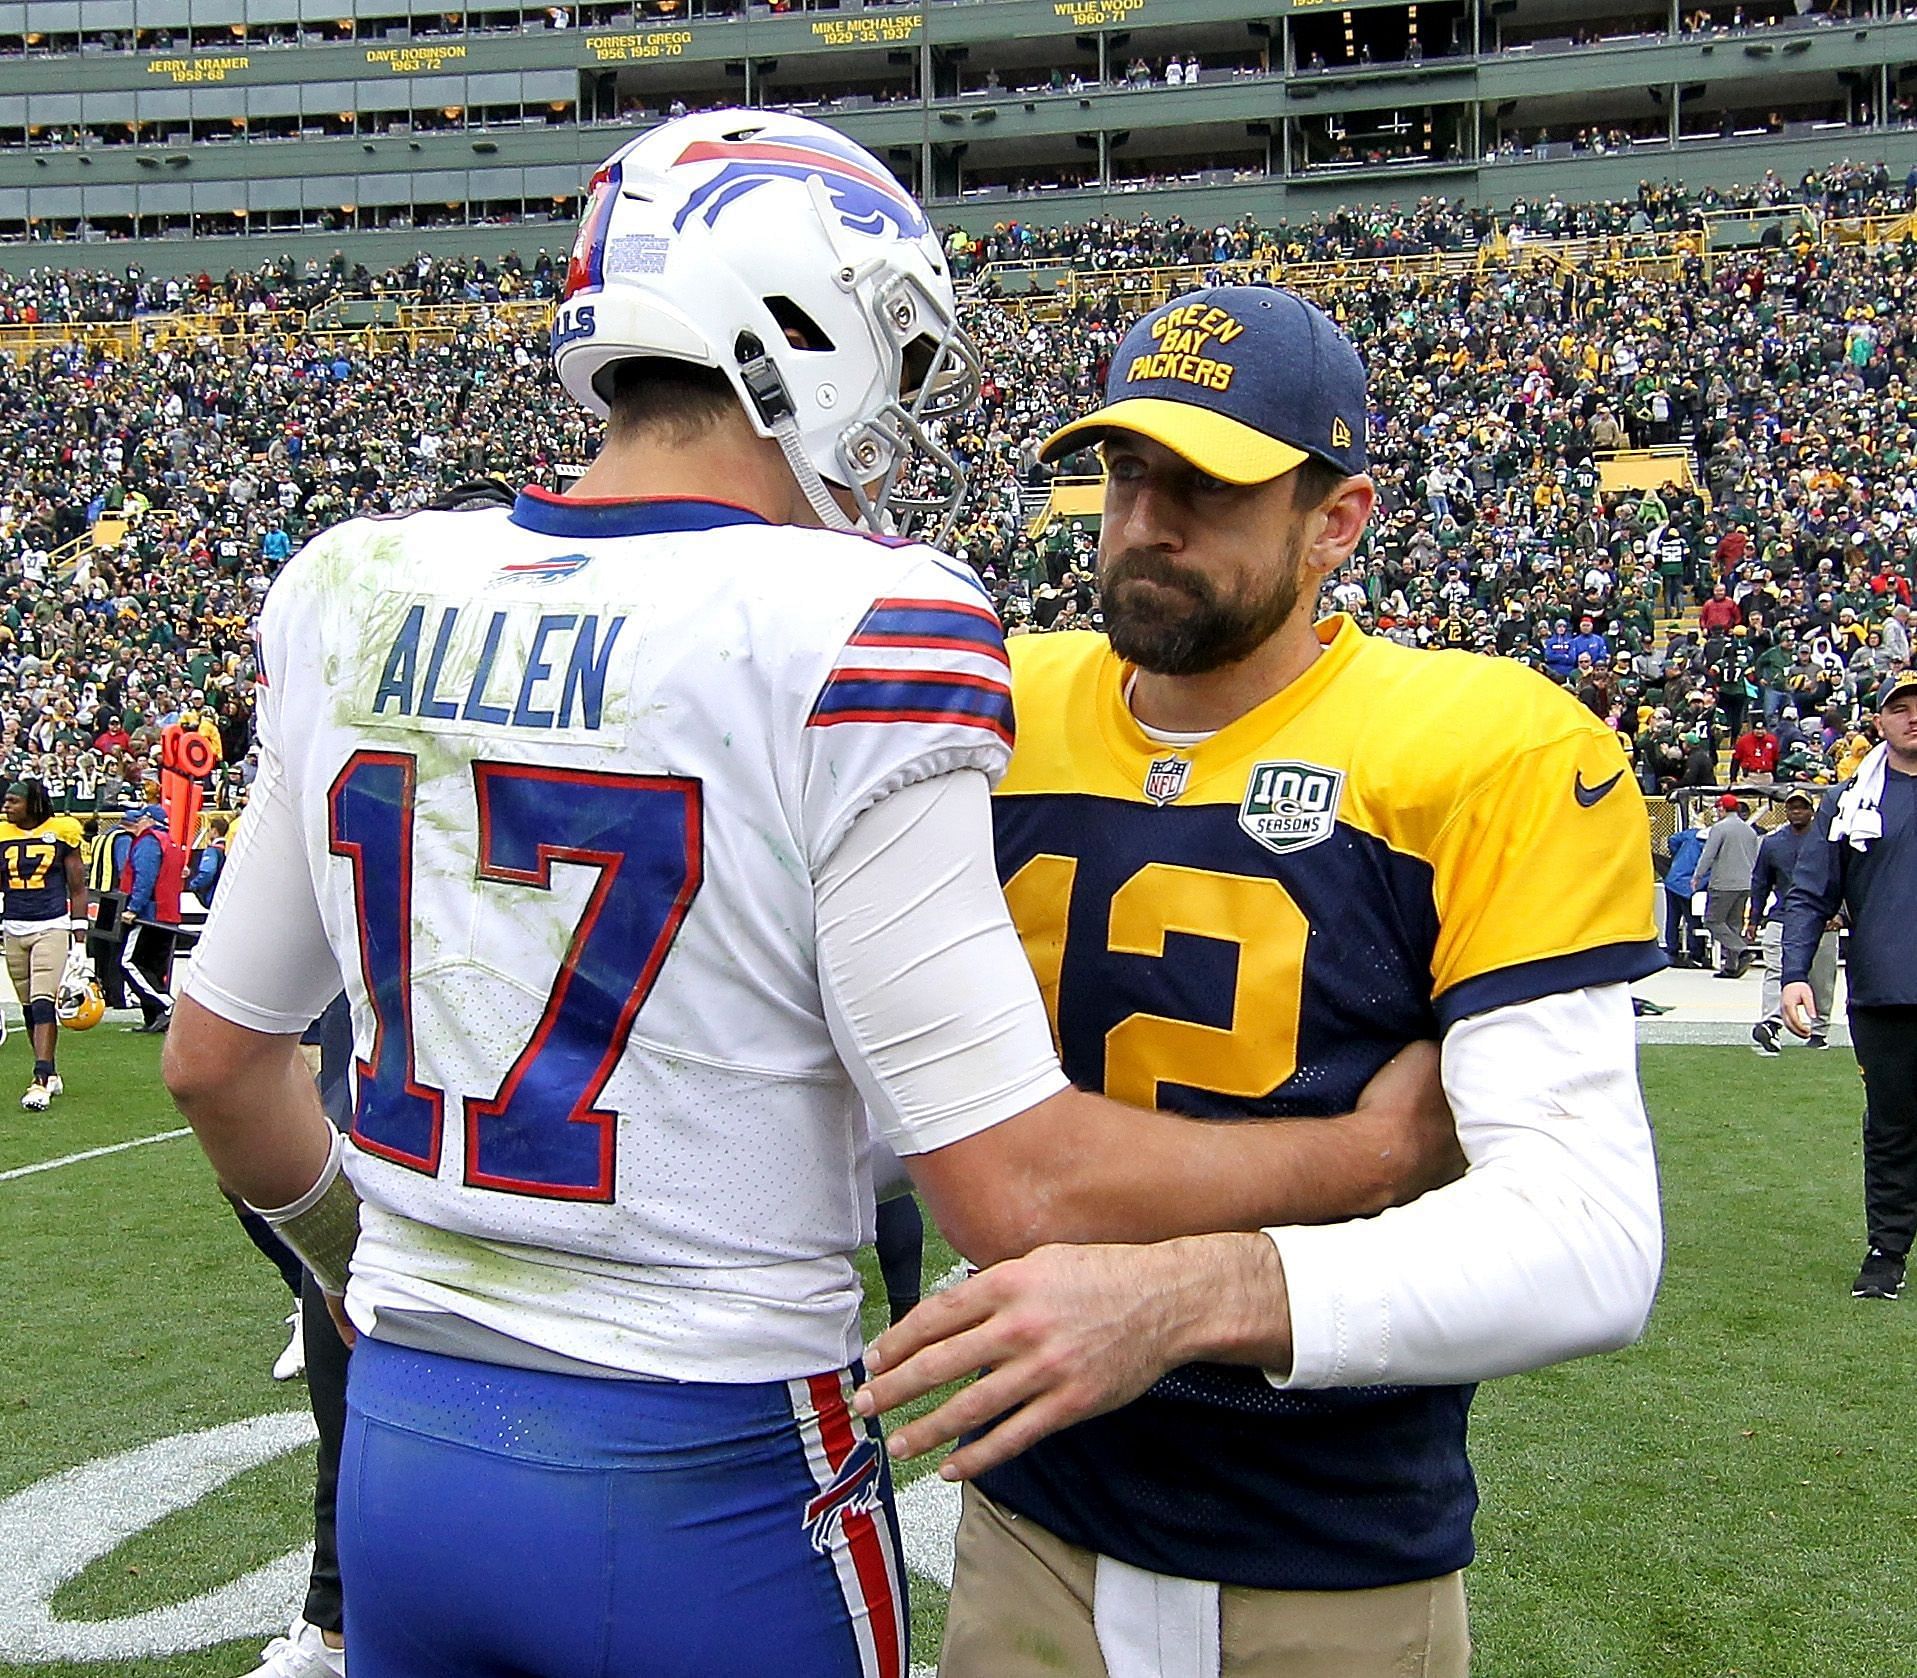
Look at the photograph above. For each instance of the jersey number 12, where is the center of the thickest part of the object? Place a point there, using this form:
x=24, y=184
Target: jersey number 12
x=541, y=1132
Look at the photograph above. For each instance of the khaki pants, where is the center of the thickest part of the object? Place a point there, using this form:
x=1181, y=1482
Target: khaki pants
x=35, y=963
x=1022, y=1608
x=1823, y=976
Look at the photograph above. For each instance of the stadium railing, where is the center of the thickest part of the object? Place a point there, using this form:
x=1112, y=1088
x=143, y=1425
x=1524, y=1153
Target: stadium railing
x=1069, y=498
x=439, y=321
x=1048, y=287
x=1871, y=230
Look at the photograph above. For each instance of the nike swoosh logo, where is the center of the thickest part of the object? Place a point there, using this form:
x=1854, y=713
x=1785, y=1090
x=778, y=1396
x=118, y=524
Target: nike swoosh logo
x=1587, y=796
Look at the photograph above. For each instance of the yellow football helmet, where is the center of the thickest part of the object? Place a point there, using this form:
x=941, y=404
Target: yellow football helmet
x=79, y=1006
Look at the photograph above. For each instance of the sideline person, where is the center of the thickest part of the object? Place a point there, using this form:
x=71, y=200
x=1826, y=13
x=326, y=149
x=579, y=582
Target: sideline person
x=43, y=882
x=1862, y=858
x=1776, y=862
x=1723, y=875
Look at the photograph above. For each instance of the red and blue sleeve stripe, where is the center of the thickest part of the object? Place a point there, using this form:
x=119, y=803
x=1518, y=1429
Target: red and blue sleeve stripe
x=932, y=696
x=933, y=625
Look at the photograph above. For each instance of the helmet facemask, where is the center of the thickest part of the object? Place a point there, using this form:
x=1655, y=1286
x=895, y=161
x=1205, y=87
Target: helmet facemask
x=937, y=377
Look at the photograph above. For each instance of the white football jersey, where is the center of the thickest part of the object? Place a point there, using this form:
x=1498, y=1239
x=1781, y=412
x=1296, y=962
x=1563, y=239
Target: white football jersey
x=560, y=779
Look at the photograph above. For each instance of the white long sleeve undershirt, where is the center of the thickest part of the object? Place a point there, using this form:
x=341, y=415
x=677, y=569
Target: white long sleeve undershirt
x=1548, y=1248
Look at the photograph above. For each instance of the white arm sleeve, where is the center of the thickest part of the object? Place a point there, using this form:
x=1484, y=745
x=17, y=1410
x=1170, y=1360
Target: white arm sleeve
x=1547, y=1248
x=264, y=961
x=927, y=992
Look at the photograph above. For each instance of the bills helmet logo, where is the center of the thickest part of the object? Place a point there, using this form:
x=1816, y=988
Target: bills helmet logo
x=855, y=1489
x=867, y=199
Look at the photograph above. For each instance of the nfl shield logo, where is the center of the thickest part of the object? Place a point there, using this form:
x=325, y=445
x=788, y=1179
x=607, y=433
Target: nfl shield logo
x=1289, y=806
x=1166, y=778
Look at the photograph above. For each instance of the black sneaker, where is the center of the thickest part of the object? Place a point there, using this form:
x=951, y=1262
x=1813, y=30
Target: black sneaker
x=1819, y=1042
x=1764, y=1038
x=1882, y=1276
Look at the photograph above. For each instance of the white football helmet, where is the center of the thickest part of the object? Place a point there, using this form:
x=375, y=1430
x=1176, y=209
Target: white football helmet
x=777, y=251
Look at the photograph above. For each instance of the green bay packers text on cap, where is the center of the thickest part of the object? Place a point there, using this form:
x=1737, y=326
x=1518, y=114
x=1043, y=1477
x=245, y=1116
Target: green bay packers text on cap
x=1183, y=335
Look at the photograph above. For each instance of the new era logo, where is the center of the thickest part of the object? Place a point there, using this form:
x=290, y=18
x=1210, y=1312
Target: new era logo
x=1340, y=434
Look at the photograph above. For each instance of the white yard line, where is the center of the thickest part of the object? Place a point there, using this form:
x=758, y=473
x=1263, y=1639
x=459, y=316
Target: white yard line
x=90, y=1153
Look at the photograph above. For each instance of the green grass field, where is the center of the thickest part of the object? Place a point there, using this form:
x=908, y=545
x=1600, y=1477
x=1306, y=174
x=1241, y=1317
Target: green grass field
x=1721, y=1500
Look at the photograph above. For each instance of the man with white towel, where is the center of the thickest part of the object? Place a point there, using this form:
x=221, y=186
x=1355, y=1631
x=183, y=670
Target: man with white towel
x=1866, y=863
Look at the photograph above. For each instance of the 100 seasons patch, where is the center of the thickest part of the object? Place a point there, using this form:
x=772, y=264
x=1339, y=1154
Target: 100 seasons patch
x=1290, y=806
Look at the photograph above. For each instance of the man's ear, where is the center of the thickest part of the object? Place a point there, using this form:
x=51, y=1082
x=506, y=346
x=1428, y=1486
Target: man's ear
x=1346, y=511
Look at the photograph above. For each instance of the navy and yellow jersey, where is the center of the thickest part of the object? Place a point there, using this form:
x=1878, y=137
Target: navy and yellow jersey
x=1251, y=927
x=33, y=868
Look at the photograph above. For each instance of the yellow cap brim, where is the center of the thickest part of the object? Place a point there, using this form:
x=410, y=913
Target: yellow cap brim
x=1217, y=444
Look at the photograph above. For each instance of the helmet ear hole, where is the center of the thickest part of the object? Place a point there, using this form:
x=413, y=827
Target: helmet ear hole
x=802, y=332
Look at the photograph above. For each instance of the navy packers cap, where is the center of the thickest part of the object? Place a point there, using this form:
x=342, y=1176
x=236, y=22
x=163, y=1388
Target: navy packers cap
x=1245, y=382
x=1897, y=682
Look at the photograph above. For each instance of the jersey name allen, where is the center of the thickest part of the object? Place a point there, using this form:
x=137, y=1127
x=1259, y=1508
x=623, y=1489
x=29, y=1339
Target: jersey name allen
x=1289, y=806
x=505, y=667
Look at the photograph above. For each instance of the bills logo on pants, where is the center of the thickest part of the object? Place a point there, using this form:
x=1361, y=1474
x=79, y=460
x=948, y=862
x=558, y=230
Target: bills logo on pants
x=848, y=1519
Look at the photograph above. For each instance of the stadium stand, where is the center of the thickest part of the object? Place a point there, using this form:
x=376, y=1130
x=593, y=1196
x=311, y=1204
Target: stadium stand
x=1710, y=456
x=370, y=122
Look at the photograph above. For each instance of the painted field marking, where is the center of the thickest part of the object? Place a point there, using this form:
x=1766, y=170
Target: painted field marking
x=91, y=1153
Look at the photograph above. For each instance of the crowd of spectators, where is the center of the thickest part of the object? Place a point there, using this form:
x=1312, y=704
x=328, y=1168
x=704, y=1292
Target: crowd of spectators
x=1730, y=619
x=223, y=451
x=1420, y=227
x=239, y=301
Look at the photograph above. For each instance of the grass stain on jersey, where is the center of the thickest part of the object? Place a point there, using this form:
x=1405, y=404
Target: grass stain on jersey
x=487, y=1269
x=781, y=853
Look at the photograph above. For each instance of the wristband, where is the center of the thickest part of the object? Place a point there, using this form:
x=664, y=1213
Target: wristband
x=323, y=1224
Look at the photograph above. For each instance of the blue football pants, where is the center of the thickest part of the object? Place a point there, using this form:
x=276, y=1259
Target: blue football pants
x=508, y=1523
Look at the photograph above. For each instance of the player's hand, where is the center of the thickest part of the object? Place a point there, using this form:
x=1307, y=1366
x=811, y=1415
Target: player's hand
x=1063, y=1333
x=1404, y=1106
x=1800, y=1009
x=336, y=1309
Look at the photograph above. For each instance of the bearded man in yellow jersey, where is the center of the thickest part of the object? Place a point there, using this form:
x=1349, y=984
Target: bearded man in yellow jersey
x=1251, y=856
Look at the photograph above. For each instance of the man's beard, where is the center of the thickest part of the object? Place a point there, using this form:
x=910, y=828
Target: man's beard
x=1202, y=633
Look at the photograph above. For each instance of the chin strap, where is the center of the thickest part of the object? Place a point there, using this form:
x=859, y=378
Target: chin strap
x=786, y=434
x=774, y=405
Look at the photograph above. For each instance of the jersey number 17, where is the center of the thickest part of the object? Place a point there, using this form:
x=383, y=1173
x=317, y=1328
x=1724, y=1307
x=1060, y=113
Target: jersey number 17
x=542, y=1131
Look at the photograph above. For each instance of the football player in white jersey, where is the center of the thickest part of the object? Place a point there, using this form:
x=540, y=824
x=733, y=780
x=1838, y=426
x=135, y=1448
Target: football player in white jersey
x=648, y=829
